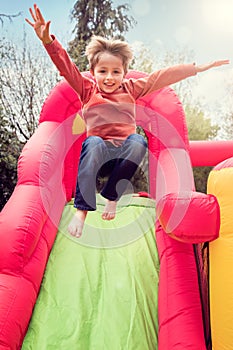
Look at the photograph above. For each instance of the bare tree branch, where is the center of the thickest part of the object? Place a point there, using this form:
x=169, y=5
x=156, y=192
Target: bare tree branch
x=9, y=17
x=26, y=79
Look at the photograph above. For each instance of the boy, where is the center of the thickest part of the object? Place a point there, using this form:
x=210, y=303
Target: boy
x=108, y=106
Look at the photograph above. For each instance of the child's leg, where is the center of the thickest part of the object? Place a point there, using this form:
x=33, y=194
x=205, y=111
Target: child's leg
x=75, y=227
x=109, y=212
x=130, y=155
x=91, y=159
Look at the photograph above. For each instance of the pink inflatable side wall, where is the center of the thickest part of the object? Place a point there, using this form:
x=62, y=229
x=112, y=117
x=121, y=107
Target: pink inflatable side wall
x=47, y=172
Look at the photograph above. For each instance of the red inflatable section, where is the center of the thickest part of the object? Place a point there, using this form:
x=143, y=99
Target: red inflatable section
x=47, y=171
x=210, y=153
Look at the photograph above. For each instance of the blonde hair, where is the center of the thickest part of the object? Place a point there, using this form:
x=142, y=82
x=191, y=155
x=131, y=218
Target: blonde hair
x=99, y=44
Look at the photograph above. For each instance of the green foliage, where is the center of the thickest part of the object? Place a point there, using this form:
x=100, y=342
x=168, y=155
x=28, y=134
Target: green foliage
x=97, y=17
x=200, y=128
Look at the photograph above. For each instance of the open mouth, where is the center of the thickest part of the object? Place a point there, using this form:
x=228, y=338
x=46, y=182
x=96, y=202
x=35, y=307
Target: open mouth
x=109, y=85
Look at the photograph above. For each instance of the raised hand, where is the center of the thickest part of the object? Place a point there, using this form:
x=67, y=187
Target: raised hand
x=220, y=63
x=40, y=26
x=204, y=67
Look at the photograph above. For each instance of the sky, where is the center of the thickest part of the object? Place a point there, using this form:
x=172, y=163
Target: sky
x=203, y=27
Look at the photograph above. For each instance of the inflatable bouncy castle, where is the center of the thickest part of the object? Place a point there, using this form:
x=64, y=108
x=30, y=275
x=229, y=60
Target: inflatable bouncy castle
x=136, y=282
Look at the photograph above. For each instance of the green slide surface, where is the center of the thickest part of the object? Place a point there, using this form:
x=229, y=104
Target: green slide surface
x=99, y=292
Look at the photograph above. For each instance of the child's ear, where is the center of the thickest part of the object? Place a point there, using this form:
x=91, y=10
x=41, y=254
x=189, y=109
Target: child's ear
x=92, y=72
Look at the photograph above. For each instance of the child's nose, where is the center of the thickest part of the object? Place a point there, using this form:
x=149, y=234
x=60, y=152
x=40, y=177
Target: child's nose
x=109, y=75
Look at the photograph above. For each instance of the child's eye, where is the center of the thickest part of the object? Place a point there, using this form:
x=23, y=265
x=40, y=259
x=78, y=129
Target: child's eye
x=117, y=72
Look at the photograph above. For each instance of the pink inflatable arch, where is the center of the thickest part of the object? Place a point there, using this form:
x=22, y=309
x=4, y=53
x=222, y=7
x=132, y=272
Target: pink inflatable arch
x=47, y=171
x=210, y=153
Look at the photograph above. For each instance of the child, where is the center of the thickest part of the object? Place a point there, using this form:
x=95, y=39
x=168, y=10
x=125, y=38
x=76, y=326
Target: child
x=108, y=105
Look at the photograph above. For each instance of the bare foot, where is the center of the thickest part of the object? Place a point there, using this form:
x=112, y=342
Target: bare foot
x=109, y=212
x=75, y=227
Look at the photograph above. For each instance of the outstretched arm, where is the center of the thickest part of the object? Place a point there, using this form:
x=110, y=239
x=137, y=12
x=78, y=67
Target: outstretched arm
x=168, y=76
x=40, y=26
x=58, y=55
x=204, y=67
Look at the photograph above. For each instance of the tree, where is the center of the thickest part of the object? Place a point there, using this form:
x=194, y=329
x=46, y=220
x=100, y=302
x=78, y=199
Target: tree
x=25, y=82
x=96, y=17
x=227, y=127
x=10, y=148
x=227, y=113
x=143, y=58
x=26, y=78
x=9, y=17
x=200, y=128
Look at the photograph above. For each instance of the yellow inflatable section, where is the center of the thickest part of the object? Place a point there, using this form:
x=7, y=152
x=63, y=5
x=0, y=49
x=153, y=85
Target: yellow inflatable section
x=220, y=183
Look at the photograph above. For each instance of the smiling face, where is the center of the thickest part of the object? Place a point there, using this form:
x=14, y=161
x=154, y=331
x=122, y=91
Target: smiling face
x=109, y=72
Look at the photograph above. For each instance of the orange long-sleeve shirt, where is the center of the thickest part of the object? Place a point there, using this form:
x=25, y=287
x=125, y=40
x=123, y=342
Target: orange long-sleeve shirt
x=112, y=116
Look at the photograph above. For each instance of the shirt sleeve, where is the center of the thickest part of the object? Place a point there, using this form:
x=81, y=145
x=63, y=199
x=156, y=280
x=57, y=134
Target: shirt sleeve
x=68, y=69
x=159, y=79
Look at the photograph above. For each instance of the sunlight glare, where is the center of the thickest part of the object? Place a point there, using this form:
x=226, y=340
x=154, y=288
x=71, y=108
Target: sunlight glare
x=218, y=14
